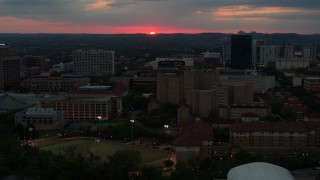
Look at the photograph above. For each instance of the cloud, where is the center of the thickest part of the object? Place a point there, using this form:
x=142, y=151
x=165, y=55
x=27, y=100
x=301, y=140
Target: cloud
x=247, y=12
x=205, y=15
x=98, y=5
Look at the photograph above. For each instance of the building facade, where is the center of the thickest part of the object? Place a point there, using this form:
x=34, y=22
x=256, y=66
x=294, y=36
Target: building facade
x=79, y=108
x=9, y=71
x=235, y=111
x=293, y=63
x=201, y=90
x=93, y=62
x=47, y=83
x=41, y=118
x=170, y=87
x=311, y=83
x=275, y=136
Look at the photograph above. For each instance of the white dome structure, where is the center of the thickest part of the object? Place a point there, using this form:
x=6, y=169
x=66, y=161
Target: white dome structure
x=259, y=171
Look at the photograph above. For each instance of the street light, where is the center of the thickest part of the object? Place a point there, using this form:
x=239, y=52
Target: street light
x=97, y=141
x=166, y=126
x=132, y=121
x=30, y=130
x=99, y=118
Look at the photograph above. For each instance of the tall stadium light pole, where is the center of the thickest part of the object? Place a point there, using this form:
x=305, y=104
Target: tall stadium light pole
x=132, y=121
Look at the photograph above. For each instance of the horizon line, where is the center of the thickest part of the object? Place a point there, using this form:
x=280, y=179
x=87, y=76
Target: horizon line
x=62, y=33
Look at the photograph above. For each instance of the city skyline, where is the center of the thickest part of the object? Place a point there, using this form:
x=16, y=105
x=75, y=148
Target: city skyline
x=159, y=16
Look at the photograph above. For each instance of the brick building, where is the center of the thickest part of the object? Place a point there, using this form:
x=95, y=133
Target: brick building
x=273, y=136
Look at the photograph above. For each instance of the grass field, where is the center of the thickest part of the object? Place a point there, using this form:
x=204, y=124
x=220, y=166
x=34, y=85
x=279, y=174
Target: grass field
x=103, y=149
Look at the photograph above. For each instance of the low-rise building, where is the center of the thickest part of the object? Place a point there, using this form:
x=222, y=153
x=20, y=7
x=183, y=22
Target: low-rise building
x=41, y=118
x=81, y=108
x=311, y=83
x=90, y=102
x=292, y=63
x=235, y=111
x=273, y=136
x=55, y=83
x=194, y=141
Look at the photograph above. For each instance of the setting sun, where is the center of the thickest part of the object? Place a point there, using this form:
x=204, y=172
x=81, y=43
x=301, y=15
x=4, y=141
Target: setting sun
x=152, y=33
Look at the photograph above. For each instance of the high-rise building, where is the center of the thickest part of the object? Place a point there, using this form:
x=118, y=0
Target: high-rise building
x=261, y=52
x=241, y=51
x=170, y=87
x=309, y=52
x=288, y=51
x=201, y=90
x=9, y=71
x=93, y=62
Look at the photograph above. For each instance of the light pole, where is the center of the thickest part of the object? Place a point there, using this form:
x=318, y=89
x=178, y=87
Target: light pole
x=30, y=132
x=97, y=141
x=99, y=118
x=166, y=126
x=132, y=121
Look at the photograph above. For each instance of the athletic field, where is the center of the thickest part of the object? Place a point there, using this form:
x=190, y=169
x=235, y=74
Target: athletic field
x=101, y=148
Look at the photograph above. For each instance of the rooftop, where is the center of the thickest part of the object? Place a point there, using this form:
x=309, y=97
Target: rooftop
x=259, y=171
x=193, y=133
x=274, y=127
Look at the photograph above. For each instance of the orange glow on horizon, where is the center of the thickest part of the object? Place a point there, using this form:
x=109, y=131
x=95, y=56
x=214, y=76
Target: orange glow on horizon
x=152, y=33
x=10, y=24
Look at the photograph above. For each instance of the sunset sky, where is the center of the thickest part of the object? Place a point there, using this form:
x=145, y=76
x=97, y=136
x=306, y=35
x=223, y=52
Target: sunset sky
x=160, y=16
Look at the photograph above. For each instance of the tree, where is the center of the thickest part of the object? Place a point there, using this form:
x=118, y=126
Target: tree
x=168, y=163
x=243, y=157
x=122, y=163
x=150, y=173
x=181, y=171
x=276, y=105
x=288, y=114
x=93, y=130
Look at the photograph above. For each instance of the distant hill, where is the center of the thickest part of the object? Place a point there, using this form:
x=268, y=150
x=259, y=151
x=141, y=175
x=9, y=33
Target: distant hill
x=60, y=46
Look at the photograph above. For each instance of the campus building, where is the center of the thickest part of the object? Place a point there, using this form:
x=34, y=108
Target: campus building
x=41, y=118
x=194, y=141
x=9, y=71
x=201, y=90
x=236, y=111
x=89, y=103
x=170, y=87
x=172, y=63
x=311, y=83
x=275, y=136
x=93, y=62
x=55, y=83
x=79, y=108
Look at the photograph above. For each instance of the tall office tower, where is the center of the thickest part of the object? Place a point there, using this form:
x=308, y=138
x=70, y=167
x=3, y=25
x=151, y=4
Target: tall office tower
x=9, y=71
x=93, y=62
x=241, y=51
x=4, y=49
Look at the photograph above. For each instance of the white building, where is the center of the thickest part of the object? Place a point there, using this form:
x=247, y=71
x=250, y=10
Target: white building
x=93, y=62
x=171, y=63
x=259, y=171
x=260, y=83
x=41, y=118
x=292, y=63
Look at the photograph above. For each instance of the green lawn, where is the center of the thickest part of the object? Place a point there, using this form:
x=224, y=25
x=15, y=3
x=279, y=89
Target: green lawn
x=103, y=149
